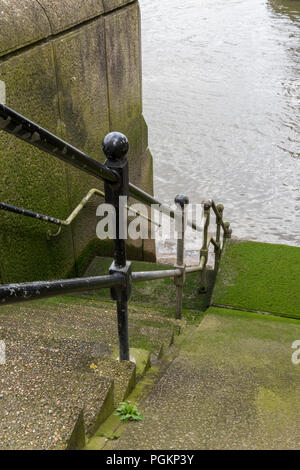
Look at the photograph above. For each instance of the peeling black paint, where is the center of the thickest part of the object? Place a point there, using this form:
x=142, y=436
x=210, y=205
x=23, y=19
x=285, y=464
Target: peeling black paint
x=15, y=293
x=27, y=213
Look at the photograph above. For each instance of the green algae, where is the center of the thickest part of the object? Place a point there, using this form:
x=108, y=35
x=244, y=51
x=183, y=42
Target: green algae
x=158, y=293
x=259, y=277
x=232, y=386
x=55, y=84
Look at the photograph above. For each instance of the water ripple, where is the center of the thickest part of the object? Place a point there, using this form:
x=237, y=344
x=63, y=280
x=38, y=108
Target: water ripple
x=221, y=98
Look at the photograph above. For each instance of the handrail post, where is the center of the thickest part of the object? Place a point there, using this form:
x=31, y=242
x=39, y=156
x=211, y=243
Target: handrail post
x=228, y=231
x=115, y=147
x=220, y=209
x=204, y=249
x=181, y=201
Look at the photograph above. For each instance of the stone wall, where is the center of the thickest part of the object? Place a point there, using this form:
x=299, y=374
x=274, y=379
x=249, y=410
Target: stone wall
x=74, y=67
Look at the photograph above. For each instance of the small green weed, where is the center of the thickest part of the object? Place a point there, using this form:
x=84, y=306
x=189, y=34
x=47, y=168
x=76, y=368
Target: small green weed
x=127, y=411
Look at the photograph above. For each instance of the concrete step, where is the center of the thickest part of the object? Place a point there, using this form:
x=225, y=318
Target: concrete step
x=233, y=385
x=90, y=324
x=49, y=399
x=61, y=378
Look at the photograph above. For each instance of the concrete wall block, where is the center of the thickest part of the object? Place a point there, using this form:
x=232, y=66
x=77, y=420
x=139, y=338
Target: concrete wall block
x=22, y=22
x=113, y=4
x=30, y=178
x=81, y=77
x=65, y=14
x=79, y=85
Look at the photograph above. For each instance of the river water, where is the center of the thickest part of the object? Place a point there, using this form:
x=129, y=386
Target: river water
x=221, y=89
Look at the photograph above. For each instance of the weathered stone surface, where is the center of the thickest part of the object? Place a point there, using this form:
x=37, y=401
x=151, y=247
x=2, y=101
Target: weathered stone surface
x=80, y=85
x=27, y=21
x=232, y=386
x=48, y=389
x=23, y=22
x=125, y=96
x=124, y=67
x=81, y=75
x=59, y=371
x=113, y=4
x=67, y=13
x=30, y=178
x=124, y=85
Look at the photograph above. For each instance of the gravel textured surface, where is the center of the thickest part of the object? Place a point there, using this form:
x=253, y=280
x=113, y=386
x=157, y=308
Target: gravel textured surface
x=47, y=379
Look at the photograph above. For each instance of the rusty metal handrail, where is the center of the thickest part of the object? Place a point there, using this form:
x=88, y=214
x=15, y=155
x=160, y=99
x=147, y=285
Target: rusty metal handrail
x=72, y=216
x=182, y=202
x=218, y=247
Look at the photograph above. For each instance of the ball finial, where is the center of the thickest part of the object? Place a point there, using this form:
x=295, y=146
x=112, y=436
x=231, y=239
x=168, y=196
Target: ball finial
x=181, y=200
x=115, y=146
x=207, y=205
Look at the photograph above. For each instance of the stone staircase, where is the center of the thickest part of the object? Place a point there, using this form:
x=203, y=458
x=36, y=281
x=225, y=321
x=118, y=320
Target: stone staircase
x=61, y=379
x=235, y=381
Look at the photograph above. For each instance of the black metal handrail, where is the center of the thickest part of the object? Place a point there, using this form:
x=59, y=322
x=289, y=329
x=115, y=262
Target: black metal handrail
x=35, y=215
x=31, y=133
x=21, y=127
x=120, y=278
x=65, y=222
x=27, y=291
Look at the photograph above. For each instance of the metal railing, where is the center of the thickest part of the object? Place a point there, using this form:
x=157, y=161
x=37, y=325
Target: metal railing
x=64, y=223
x=114, y=173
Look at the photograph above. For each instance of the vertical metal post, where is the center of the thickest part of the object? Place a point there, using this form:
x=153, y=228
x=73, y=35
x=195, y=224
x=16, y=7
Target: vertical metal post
x=181, y=201
x=227, y=231
x=204, y=249
x=220, y=209
x=115, y=146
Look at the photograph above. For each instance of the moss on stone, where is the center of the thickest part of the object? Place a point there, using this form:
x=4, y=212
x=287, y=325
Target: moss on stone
x=65, y=15
x=142, y=360
x=113, y=4
x=22, y=23
x=157, y=293
x=232, y=386
x=259, y=277
x=30, y=178
x=55, y=84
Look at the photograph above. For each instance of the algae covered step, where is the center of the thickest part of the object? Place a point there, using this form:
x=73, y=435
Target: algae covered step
x=233, y=385
x=259, y=277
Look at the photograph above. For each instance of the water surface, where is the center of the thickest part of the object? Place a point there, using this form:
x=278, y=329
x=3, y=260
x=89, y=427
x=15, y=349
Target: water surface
x=221, y=97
